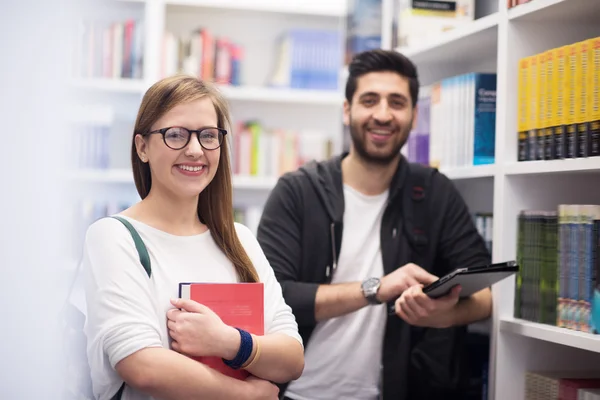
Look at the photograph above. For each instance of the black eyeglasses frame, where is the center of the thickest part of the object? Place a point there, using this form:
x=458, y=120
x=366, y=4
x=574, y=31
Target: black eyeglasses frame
x=163, y=131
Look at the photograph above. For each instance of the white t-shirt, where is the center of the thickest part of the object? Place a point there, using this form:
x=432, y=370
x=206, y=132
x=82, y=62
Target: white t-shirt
x=127, y=310
x=343, y=356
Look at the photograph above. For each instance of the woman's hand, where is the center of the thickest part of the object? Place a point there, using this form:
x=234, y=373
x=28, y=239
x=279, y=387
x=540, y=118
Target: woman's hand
x=197, y=331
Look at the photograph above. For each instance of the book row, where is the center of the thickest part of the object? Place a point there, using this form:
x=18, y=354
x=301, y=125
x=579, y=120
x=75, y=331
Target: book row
x=203, y=55
x=256, y=149
x=420, y=21
x=89, y=147
x=485, y=226
x=514, y=3
x=109, y=49
x=414, y=23
x=560, y=385
x=456, y=122
x=304, y=58
x=558, y=103
x=248, y=216
x=267, y=152
x=559, y=256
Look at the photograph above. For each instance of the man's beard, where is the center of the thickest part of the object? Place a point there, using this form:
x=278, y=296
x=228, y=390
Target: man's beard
x=359, y=143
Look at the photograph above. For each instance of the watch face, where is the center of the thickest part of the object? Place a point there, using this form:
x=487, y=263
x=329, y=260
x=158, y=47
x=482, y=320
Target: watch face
x=370, y=285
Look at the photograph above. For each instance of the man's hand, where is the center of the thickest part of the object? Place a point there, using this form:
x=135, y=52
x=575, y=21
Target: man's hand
x=416, y=308
x=395, y=283
x=198, y=331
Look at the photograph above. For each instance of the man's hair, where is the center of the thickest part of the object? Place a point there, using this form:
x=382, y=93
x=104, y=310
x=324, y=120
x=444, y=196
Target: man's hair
x=379, y=60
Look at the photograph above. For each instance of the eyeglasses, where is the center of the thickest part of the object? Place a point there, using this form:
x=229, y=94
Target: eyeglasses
x=177, y=138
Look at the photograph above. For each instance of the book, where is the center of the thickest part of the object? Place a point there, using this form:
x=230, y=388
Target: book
x=557, y=100
x=557, y=251
x=240, y=305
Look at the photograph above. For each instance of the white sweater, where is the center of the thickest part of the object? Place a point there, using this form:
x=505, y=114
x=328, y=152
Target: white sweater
x=126, y=310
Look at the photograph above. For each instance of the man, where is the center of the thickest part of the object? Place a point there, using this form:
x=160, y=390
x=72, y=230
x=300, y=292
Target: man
x=338, y=288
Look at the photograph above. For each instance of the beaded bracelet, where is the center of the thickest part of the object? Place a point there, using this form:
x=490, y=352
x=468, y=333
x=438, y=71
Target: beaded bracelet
x=244, y=352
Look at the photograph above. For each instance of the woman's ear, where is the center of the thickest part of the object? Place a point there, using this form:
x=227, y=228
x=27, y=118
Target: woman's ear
x=141, y=147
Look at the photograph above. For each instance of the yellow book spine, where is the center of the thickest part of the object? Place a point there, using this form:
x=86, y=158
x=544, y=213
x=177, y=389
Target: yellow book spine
x=541, y=109
x=522, y=105
x=533, y=107
x=549, y=112
x=560, y=104
x=254, y=157
x=572, y=100
x=581, y=76
x=594, y=96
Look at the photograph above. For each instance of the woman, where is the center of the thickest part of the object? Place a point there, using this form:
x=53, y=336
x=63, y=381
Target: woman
x=136, y=333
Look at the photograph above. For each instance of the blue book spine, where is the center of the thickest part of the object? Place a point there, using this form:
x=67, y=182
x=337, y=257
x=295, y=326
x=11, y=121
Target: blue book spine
x=485, y=119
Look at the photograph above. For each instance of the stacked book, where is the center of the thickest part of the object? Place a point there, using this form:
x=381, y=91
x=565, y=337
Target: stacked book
x=559, y=385
x=558, y=104
x=456, y=123
x=559, y=255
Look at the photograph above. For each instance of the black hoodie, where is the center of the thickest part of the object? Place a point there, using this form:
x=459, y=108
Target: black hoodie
x=301, y=231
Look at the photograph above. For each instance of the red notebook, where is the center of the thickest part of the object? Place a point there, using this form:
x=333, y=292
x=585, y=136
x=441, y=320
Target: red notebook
x=240, y=305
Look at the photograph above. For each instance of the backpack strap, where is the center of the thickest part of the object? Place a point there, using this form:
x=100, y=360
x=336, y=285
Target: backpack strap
x=118, y=395
x=416, y=210
x=139, y=245
x=145, y=260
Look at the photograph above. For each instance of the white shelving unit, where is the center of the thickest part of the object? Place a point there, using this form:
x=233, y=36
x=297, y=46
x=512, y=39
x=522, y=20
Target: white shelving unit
x=478, y=171
x=282, y=96
x=310, y=7
x=495, y=43
x=125, y=176
x=473, y=42
x=256, y=25
x=551, y=334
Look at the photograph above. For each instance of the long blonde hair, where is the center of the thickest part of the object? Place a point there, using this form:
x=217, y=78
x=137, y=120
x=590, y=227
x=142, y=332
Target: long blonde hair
x=215, y=205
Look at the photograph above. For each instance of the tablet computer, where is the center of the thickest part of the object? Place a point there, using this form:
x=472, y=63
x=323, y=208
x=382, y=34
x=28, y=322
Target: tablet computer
x=472, y=279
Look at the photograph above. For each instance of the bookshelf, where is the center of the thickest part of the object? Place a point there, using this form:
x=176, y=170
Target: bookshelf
x=475, y=41
x=310, y=8
x=572, y=11
x=478, y=171
x=296, y=97
x=566, y=166
x=124, y=176
x=495, y=43
x=551, y=334
x=112, y=97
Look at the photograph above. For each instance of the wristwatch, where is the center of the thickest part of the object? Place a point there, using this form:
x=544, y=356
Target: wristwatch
x=369, y=288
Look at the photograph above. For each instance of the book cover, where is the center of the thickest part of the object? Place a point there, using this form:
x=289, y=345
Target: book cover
x=593, y=97
x=571, y=101
x=581, y=113
x=523, y=108
x=549, y=107
x=484, y=134
x=541, y=109
x=559, y=101
x=595, y=297
x=240, y=305
x=533, y=105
